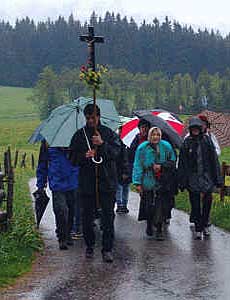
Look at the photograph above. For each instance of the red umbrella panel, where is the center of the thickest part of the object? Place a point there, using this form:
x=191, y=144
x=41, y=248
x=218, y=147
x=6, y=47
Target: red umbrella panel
x=177, y=125
x=130, y=128
x=129, y=131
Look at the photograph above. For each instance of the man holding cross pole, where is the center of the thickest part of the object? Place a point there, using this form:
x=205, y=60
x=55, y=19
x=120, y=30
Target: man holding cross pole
x=95, y=148
x=83, y=154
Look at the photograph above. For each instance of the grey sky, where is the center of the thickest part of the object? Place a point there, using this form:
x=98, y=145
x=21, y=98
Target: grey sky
x=209, y=13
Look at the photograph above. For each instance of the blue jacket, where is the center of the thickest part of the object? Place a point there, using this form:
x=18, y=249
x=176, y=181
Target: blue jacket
x=54, y=166
x=145, y=157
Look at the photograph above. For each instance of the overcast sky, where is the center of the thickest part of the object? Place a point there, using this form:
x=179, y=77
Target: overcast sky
x=210, y=13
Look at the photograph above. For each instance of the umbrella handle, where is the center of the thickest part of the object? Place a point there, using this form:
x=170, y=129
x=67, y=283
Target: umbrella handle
x=88, y=144
x=97, y=161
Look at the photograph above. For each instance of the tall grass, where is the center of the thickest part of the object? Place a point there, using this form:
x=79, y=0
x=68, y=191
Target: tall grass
x=18, y=246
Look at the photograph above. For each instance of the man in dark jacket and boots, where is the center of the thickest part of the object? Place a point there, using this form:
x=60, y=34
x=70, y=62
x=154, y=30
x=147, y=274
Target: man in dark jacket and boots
x=199, y=172
x=83, y=153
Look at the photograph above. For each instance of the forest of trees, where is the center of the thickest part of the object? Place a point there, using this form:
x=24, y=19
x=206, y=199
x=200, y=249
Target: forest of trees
x=167, y=47
x=136, y=91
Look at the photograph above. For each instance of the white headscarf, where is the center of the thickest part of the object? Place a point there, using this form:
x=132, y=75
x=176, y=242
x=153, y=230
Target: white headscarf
x=151, y=130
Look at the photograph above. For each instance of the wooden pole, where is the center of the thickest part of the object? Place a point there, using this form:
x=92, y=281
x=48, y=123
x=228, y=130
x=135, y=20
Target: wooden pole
x=10, y=193
x=1, y=180
x=10, y=185
x=6, y=168
x=222, y=190
x=91, y=39
x=32, y=161
x=9, y=157
x=96, y=165
x=23, y=162
x=16, y=159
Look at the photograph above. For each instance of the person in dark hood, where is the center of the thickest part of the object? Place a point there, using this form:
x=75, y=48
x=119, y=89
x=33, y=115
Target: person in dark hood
x=124, y=179
x=141, y=137
x=83, y=153
x=206, y=129
x=199, y=172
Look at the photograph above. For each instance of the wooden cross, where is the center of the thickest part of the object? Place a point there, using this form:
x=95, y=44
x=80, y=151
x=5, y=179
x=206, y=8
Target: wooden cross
x=91, y=39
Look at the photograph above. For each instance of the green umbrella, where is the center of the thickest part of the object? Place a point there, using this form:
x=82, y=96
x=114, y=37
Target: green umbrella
x=64, y=120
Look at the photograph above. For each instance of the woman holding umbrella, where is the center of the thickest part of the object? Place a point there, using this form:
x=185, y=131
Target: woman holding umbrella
x=154, y=165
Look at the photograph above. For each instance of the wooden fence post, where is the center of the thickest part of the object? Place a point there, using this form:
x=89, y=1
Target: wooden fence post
x=1, y=180
x=10, y=186
x=23, y=162
x=16, y=159
x=8, y=177
x=2, y=193
x=6, y=163
x=9, y=157
x=222, y=190
x=32, y=161
x=10, y=193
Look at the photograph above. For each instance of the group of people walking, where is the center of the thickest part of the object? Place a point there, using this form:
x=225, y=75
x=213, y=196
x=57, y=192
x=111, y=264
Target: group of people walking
x=80, y=187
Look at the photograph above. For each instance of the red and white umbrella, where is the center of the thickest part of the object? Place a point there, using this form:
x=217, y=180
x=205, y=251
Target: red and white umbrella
x=130, y=128
x=129, y=131
x=174, y=122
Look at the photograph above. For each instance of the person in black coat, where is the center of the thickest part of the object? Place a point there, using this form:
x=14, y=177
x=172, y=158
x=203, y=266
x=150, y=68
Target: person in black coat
x=108, y=146
x=199, y=172
x=141, y=137
x=124, y=179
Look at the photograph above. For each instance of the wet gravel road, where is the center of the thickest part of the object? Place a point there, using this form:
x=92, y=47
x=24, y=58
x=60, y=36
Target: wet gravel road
x=177, y=268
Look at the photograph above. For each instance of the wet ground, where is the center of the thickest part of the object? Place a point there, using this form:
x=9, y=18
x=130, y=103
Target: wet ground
x=177, y=268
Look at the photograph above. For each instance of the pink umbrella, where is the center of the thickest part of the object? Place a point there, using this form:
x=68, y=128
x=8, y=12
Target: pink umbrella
x=130, y=128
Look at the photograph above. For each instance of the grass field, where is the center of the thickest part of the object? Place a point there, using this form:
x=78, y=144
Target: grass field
x=18, y=119
x=183, y=118
x=14, y=104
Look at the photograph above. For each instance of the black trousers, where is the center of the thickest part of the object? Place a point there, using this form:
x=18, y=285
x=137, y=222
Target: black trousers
x=107, y=219
x=200, y=212
x=63, y=207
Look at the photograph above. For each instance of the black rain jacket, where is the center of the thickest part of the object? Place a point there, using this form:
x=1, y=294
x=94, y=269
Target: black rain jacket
x=107, y=170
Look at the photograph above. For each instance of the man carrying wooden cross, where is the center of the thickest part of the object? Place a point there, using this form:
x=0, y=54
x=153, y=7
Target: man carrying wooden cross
x=83, y=153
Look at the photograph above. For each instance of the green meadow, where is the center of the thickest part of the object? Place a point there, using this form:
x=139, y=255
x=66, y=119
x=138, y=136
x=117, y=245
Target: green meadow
x=18, y=119
x=14, y=104
x=18, y=247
